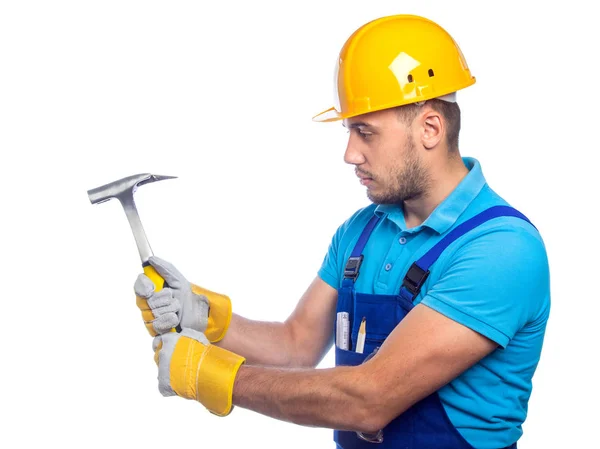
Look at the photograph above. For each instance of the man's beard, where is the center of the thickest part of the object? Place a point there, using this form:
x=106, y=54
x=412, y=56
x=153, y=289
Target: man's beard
x=411, y=182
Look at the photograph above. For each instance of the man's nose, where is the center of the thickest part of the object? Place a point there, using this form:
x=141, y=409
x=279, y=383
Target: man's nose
x=353, y=154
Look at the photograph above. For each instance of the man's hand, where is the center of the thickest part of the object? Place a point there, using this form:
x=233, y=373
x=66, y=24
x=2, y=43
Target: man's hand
x=181, y=303
x=190, y=367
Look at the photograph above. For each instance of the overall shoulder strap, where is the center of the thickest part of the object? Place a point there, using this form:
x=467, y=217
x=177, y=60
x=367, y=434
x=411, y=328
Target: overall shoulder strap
x=418, y=271
x=356, y=257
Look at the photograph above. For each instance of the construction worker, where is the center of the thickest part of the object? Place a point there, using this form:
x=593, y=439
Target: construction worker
x=451, y=282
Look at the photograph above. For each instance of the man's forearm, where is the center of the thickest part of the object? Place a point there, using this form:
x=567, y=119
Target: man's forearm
x=302, y=340
x=342, y=398
x=260, y=342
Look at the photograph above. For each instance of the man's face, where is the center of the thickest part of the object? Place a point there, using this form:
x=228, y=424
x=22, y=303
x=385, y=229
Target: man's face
x=386, y=157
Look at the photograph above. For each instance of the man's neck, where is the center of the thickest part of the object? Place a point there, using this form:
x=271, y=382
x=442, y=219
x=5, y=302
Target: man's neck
x=444, y=179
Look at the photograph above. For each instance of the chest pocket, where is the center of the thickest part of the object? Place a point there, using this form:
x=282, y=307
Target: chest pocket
x=382, y=314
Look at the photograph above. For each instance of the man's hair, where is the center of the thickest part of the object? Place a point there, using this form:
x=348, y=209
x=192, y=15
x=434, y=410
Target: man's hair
x=449, y=111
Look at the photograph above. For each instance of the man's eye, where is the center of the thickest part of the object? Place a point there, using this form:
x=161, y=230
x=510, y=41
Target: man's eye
x=363, y=135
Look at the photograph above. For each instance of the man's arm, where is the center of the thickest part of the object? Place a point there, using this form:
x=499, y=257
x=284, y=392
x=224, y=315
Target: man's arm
x=423, y=353
x=301, y=341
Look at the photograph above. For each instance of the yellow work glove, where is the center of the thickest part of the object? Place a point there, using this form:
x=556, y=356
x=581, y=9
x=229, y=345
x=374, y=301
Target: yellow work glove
x=181, y=303
x=190, y=367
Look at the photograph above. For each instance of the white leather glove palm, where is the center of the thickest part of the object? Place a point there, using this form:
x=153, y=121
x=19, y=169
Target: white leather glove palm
x=176, y=304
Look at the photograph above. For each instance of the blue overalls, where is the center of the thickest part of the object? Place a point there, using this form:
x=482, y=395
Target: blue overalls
x=425, y=425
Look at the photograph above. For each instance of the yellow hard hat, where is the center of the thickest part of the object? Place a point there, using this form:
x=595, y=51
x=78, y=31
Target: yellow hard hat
x=393, y=61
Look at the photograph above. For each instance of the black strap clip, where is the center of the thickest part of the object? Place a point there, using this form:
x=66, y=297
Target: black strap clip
x=414, y=279
x=352, y=266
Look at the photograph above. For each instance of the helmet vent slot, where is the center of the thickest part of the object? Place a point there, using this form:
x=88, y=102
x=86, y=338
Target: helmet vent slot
x=430, y=72
x=410, y=78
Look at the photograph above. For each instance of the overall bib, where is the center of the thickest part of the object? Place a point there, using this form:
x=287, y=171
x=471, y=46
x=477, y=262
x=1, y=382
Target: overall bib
x=425, y=425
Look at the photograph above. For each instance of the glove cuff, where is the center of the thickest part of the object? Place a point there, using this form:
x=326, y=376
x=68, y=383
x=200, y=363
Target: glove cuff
x=205, y=373
x=216, y=376
x=219, y=314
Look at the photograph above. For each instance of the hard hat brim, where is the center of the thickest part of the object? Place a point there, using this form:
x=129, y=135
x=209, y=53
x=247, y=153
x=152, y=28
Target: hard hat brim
x=329, y=115
x=333, y=115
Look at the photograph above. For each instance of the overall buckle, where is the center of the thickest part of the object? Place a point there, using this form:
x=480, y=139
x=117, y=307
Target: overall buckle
x=352, y=266
x=414, y=279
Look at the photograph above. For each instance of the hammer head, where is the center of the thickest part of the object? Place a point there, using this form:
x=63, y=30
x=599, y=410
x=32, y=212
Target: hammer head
x=123, y=188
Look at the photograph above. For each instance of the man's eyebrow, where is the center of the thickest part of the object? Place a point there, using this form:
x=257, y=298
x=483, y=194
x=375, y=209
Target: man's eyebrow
x=358, y=125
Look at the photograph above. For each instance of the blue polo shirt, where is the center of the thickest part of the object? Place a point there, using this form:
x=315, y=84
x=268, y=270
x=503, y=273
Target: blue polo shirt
x=494, y=280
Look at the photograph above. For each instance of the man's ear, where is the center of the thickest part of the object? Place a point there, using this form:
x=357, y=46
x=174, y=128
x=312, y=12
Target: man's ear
x=432, y=128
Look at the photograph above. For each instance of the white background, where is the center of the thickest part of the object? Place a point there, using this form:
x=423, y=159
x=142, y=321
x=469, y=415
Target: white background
x=221, y=94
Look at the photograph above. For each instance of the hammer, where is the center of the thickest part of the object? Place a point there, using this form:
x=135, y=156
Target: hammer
x=123, y=190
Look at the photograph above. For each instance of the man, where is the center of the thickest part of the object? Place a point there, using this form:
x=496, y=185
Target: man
x=451, y=282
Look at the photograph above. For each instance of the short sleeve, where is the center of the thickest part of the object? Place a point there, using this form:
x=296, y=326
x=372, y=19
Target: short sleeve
x=329, y=271
x=494, y=284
